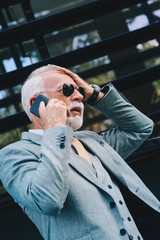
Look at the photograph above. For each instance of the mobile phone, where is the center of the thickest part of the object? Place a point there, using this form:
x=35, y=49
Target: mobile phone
x=35, y=106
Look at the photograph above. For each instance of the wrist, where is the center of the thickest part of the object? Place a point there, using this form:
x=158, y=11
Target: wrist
x=88, y=92
x=95, y=96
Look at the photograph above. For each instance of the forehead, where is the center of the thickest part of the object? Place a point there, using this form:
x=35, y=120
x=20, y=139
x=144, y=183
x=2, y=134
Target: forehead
x=55, y=79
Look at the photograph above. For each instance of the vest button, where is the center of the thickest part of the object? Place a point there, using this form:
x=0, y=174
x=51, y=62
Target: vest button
x=122, y=232
x=112, y=204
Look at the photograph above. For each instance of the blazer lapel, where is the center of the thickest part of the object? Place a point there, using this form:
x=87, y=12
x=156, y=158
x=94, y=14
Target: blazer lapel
x=102, y=151
x=82, y=166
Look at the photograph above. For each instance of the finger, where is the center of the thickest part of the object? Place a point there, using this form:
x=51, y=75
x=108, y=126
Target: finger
x=60, y=69
x=76, y=78
x=63, y=103
x=54, y=67
x=67, y=71
x=41, y=105
x=52, y=101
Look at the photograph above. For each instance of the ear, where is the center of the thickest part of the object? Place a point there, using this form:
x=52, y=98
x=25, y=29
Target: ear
x=32, y=100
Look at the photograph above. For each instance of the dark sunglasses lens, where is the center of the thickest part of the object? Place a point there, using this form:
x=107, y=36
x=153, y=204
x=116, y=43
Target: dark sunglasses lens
x=68, y=89
x=81, y=91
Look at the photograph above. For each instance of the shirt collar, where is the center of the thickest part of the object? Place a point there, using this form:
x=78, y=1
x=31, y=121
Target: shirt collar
x=37, y=131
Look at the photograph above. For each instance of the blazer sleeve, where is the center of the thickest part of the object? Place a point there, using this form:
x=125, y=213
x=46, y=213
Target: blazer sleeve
x=132, y=127
x=37, y=176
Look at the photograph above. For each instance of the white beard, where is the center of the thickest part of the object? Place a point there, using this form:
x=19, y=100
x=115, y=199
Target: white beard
x=75, y=122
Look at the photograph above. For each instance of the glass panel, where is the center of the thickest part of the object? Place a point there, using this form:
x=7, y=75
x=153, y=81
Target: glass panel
x=43, y=8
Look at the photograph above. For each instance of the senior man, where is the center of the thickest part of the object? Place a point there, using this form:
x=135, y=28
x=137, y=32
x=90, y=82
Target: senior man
x=66, y=180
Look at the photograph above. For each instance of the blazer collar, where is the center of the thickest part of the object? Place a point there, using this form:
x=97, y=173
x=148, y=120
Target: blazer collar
x=102, y=150
x=85, y=169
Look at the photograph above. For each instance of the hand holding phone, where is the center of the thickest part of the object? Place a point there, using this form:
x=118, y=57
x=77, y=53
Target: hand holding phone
x=35, y=106
x=53, y=114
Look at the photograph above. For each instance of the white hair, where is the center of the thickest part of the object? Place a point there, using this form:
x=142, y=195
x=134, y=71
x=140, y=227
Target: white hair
x=33, y=86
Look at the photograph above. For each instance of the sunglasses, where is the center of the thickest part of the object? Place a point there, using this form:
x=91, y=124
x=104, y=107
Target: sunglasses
x=68, y=90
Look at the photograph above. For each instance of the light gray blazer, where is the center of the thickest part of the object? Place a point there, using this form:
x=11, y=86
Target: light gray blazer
x=58, y=192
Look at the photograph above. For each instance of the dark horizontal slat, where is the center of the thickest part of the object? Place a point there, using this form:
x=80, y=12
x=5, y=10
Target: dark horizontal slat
x=85, y=54
x=5, y=200
x=61, y=20
x=155, y=116
x=137, y=78
x=14, y=121
x=133, y=12
x=139, y=56
x=5, y=3
x=5, y=102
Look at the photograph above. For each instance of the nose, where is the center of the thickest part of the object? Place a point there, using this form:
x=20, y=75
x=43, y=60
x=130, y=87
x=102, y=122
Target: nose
x=77, y=96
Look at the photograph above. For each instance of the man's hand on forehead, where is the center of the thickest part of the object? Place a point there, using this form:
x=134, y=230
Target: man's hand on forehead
x=78, y=80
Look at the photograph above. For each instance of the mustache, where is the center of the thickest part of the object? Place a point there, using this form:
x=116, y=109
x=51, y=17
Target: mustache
x=76, y=104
